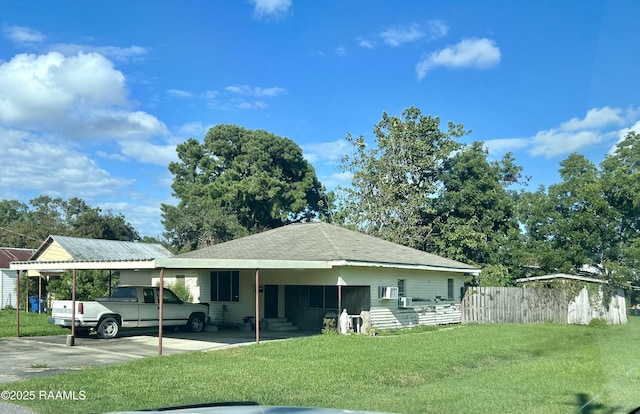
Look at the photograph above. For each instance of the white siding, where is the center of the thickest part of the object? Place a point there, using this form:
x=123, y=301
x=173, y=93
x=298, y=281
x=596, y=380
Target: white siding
x=132, y=277
x=7, y=288
x=423, y=286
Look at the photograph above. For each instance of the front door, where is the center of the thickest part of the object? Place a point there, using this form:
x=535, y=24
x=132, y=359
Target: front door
x=270, y=301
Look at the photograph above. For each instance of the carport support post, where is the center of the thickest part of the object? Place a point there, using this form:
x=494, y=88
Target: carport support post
x=160, y=310
x=39, y=293
x=18, y=304
x=257, y=306
x=71, y=339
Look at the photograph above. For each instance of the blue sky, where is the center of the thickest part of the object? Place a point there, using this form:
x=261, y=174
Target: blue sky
x=94, y=96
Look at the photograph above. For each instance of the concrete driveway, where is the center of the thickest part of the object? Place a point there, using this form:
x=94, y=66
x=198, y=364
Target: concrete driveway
x=28, y=357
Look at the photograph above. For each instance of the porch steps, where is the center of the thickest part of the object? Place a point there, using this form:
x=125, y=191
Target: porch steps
x=279, y=325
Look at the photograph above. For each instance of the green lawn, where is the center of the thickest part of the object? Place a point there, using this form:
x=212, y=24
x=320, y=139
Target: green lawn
x=468, y=369
x=31, y=324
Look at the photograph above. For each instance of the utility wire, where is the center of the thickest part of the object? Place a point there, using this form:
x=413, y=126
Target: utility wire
x=19, y=234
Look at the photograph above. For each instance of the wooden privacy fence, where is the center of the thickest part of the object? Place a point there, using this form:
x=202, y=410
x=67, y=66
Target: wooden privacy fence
x=514, y=305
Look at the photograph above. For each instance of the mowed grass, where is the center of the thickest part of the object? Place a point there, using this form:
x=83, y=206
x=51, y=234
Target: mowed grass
x=474, y=368
x=31, y=324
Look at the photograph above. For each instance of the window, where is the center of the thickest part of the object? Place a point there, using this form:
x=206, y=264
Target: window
x=401, y=288
x=149, y=296
x=125, y=292
x=170, y=297
x=450, y=289
x=323, y=297
x=225, y=286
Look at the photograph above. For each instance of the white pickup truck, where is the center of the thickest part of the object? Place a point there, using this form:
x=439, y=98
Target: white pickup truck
x=130, y=307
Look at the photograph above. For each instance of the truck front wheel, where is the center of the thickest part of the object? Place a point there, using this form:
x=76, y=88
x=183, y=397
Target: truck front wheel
x=196, y=323
x=108, y=328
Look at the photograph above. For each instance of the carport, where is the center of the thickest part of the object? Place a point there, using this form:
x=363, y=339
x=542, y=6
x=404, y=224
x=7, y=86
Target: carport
x=160, y=264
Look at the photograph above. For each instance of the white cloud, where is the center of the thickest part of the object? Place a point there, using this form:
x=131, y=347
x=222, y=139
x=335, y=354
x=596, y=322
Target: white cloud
x=595, y=118
x=502, y=146
x=475, y=53
x=622, y=134
x=436, y=29
x=341, y=51
x=23, y=35
x=178, y=93
x=395, y=36
x=149, y=153
x=327, y=152
x=191, y=130
x=53, y=169
x=114, y=53
x=252, y=105
x=553, y=142
x=255, y=91
x=146, y=217
x=81, y=96
x=271, y=9
x=367, y=44
x=599, y=125
x=336, y=179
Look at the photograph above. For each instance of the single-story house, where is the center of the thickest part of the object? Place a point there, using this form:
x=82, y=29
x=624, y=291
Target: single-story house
x=299, y=273
x=306, y=271
x=585, y=307
x=7, y=276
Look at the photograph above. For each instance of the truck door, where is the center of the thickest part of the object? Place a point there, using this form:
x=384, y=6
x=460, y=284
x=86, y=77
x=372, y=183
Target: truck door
x=148, y=309
x=175, y=313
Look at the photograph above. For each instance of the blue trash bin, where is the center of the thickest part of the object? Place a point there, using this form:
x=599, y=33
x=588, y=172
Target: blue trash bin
x=34, y=302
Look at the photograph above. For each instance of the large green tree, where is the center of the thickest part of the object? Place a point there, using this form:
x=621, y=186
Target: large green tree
x=476, y=220
x=396, y=180
x=238, y=181
x=571, y=224
x=588, y=218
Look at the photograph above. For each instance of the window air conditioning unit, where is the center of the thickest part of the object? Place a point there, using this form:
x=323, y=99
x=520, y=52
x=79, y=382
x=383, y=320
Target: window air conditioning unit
x=386, y=292
x=406, y=302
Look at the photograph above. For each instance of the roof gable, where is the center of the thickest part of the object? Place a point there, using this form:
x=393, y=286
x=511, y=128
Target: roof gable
x=321, y=242
x=81, y=249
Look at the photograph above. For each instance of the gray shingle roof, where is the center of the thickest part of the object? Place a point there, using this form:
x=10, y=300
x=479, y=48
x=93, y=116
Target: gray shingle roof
x=104, y=250
x=321, y=242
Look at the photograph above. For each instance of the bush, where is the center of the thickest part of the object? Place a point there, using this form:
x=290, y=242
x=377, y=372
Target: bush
x=182, y=291
x=329, y=326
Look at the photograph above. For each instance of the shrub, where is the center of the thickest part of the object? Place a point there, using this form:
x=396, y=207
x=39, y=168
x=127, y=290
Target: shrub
x=329, y=326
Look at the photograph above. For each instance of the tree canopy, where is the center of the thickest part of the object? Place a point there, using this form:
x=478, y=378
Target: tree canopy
x=591, y=218
x=420, y=186
x=28, y=225
x=396, y=180
x=238, y=181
